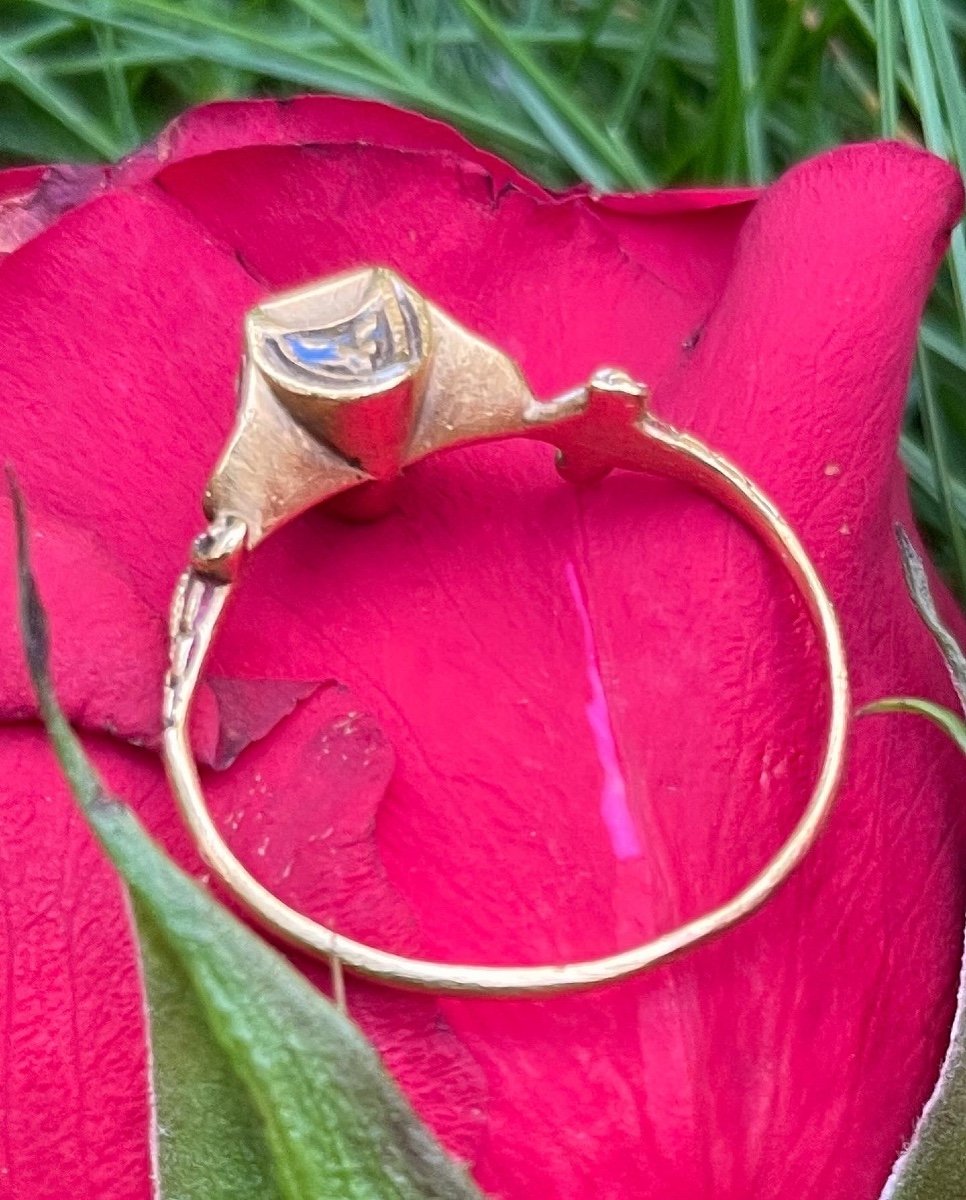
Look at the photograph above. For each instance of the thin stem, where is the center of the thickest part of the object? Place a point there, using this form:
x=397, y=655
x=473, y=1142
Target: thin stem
x=746, y=47
x=885, y=59
x=593, y=27
x=643, y=63
x=117, y=88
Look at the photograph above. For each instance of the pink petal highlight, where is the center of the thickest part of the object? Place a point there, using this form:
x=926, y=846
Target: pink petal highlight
x=614, y=809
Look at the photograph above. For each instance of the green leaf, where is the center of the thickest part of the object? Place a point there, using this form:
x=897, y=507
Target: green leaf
x=209, y=1136
x=931, y=1166
x=263, y=1088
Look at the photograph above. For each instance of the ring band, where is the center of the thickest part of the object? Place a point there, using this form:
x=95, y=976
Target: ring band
x=348, y=381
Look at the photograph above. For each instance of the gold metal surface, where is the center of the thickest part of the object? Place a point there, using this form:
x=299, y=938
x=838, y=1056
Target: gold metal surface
x=347, y=382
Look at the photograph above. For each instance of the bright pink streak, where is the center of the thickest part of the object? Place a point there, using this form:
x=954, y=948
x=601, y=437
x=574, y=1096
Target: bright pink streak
x=613, y=793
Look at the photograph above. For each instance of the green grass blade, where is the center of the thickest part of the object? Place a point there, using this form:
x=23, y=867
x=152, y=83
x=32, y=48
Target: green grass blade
x=615, y=164
x=348, y=37
x=555, y=128
x=593, y=24
x=945, y=78
x=219, y=40
x=930, y=111
x=144, y=58
x=943, y=344
x=36, y=34
x=58, y=104
x=779, y=58
x=864, y=24
x=386, y=29
x=214, y=39
x=955, y=728
x=563, y=34
x=746, y=52
x=921, y=468
x=642, y=62
x=885, y=46
x=948, y=77
x=856, y=78
x=936, y=435
x=117, y=88
x=937, y=83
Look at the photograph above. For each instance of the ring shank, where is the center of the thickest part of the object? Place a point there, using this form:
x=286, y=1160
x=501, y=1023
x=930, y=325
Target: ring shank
x=199, y=604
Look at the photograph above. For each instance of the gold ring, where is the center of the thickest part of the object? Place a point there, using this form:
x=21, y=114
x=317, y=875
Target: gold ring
x=348, y=381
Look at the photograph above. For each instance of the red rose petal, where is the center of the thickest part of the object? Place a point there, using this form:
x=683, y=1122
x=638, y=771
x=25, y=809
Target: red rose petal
x=692, y=244
x=485, y=753
x=31, y=198
x=674, y=200
x=18, y=182
x=108, y=660
x=302, y=809
x=121, y=349
x=313, y=120
x=602, y=703
x=73, y=1057
x=109, y=670
x=72, y=1052
x=248, y=709
x=483, y=257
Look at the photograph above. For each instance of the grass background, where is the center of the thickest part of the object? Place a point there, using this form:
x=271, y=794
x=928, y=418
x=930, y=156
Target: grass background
x=621, y=93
